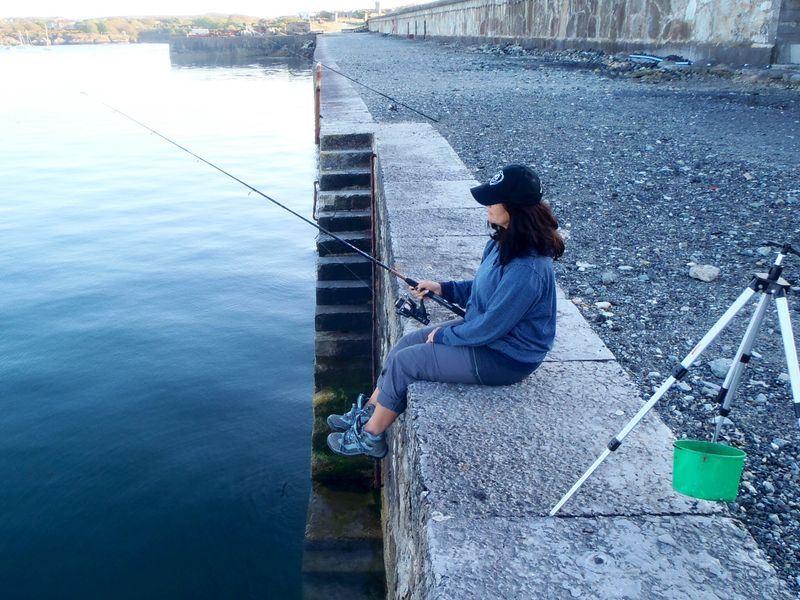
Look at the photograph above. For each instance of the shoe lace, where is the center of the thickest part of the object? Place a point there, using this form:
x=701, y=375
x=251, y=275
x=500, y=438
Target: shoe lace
x=356, y=409
x=354, y=435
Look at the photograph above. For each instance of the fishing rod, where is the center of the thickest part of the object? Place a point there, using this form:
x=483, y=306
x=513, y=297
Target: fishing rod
x=405, y=306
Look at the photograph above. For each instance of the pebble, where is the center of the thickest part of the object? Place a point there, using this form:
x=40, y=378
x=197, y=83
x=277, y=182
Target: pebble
x=719, y=367
x=603, y=305
x=761, y=399
x=768, y=487
x=667, y=539
x=609, y=277
x=685, y=387
x=707, y=273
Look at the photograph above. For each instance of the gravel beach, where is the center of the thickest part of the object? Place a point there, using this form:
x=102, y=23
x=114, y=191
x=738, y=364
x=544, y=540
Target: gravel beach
x=654, y=173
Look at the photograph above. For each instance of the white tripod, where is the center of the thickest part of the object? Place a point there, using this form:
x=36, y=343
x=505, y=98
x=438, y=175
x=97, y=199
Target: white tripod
x=771, y=286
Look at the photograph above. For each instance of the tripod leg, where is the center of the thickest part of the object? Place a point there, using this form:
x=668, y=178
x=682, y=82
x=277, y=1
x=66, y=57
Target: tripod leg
x=740, y=361
x=678, y=373
x=789, y=349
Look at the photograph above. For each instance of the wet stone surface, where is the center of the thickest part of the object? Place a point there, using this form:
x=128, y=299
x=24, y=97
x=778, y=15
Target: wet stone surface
x=651, y=172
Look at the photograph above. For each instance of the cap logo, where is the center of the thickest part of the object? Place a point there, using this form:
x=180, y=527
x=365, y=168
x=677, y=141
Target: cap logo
x=496, y=179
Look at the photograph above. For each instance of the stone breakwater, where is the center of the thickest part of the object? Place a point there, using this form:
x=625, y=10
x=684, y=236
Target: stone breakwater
x=736, y=31
x=183, y=49
x=646, y=178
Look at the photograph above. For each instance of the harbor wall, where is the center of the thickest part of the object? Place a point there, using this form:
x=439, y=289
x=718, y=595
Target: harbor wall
x=730, y=31
x=473, y=471
x=233, y=49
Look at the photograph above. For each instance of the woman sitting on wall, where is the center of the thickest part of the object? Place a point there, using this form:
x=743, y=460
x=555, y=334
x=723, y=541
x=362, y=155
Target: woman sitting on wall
x=510, y=317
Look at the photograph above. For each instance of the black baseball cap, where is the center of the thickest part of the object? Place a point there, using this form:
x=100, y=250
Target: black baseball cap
x=515, y=184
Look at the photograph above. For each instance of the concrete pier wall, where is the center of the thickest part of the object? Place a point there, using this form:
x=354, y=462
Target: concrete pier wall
x=183, y=49
x=736, y=31
x=473, y=471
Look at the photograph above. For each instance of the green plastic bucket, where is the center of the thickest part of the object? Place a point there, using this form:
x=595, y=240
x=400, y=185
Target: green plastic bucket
x=707, y=470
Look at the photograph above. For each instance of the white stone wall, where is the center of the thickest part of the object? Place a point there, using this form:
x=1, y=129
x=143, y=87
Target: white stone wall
x=604, y=23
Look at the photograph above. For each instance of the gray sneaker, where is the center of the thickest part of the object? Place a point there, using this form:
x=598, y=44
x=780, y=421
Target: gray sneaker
x=345, y=421
x=355, y=442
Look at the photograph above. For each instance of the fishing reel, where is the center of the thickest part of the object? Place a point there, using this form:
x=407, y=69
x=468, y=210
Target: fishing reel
x=406, y=307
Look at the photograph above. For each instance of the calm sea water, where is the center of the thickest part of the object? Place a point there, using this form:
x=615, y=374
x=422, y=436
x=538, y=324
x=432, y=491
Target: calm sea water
x=156, y=326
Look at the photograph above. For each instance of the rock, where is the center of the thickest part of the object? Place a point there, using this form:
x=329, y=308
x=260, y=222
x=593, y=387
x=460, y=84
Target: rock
x=773, y=518
x=609, y=277
x=764, y=251
x=768, y=487
x=761, y=399
x=668, y=540
x=779, y=443
x=720, y=366
x=684, y=387
x=705, y=273
x=725, y=420
x=644, y=278
x=603, y=305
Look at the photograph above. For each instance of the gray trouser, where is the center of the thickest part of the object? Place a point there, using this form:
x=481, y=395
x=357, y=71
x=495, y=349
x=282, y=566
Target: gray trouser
x=413, y=360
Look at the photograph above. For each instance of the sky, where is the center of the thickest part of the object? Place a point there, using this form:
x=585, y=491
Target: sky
x=84, y=9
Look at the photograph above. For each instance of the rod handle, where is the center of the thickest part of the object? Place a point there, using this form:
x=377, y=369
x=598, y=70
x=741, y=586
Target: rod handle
x=453, y=308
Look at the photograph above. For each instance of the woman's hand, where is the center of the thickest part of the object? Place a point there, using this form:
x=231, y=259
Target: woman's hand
x=425, y=286
x=432, y=334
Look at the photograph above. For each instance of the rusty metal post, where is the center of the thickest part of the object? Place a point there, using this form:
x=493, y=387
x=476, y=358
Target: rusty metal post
x=317, y=100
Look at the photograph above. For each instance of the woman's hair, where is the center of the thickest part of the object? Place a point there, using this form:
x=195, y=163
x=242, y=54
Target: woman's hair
x=530, y=228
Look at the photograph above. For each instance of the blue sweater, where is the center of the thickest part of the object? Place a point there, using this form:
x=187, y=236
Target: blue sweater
x=510, y=309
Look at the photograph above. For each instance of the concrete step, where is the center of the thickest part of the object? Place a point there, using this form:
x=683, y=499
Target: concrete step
x=343, y=556
x=345, y=179
x=344, y=292
x=326, y=245
x=343, y=317
x=343, y=345
x=337, y=583
x=346, y=141
x=345, y=220
x=345, y=372
x=344, y=200
x=344, y=159
x=350, y=267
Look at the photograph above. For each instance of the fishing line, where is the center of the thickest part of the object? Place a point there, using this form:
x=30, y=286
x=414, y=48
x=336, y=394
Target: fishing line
x=436, y=298
x=364, y=85
x=395, y=100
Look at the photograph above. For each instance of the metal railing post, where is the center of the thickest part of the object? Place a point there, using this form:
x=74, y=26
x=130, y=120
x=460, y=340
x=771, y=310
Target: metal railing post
x=317, y=100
